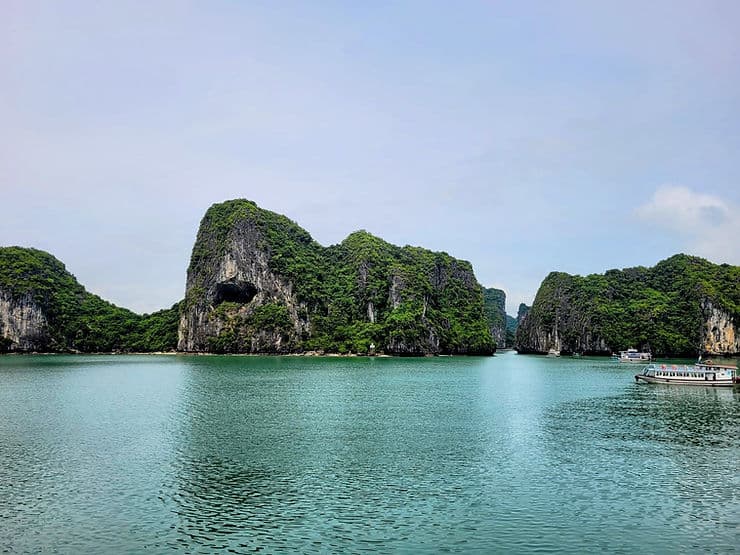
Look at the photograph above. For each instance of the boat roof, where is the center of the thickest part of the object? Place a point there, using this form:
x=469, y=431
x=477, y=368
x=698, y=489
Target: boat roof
x=703, y=365
x=712, y=365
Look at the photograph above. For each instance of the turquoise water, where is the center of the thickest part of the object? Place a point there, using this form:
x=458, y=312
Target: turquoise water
x=130, y=454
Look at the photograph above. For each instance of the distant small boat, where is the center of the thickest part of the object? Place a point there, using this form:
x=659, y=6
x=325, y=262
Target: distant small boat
x=702, y=373
x=553, y=353
x=633, y=356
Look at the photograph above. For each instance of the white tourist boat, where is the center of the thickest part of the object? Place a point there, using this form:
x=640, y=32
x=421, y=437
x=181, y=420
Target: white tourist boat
x=702, y=373
x=553, y=353
x=633, y=356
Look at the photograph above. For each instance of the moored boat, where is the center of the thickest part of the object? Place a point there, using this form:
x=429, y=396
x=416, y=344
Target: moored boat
x=632, y=355
x=553, y=353
x=702, y=373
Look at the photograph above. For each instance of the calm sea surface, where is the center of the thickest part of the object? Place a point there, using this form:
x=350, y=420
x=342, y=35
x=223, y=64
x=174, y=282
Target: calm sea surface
x=130, y=454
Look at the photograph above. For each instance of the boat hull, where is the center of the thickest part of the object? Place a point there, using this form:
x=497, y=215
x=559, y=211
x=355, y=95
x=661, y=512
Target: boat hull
x=683, y=381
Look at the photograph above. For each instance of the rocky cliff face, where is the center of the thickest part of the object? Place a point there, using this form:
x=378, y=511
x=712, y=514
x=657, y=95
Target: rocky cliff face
x=257, y=282
x=23, y=324
x=522, y=313
x=719, y=334
x=231, y=289
x=683, y=306
x=427, y=293
x=494, y=301
x=554, y=322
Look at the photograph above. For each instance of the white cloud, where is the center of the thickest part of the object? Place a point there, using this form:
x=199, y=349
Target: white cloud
x=681, y=209
x=705, y=223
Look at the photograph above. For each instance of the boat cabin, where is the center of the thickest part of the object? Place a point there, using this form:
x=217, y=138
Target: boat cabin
x=698, y=374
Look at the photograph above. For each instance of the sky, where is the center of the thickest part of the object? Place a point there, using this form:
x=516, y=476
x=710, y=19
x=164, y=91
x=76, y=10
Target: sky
x=526, y=137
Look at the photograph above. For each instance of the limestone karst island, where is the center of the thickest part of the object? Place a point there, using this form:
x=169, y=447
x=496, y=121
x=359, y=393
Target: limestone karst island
x=258, y=283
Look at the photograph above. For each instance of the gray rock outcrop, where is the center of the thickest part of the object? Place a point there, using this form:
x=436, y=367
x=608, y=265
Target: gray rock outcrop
x=23, y=324
x=719, y=334
x=225, y=289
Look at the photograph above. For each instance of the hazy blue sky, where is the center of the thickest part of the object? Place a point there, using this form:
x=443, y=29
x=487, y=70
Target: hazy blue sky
x=522, y=136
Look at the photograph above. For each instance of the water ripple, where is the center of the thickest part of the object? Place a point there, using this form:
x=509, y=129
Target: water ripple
x=233, y=454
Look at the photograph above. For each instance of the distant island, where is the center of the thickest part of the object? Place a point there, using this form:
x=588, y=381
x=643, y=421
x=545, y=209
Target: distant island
x=258, y=283
x=503, y=327
x=683, y=306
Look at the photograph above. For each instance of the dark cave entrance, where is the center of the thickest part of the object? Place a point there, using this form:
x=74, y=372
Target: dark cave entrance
x=234, y=292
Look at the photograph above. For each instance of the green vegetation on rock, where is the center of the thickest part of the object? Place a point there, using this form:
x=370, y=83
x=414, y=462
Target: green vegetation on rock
x=494, y=307
x=76, y=320
x=511, y=325
x=258, y=282
x=663, y=309
x=343, y=298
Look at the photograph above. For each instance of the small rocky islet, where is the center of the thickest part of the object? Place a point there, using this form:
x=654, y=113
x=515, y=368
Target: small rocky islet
x=258, y=283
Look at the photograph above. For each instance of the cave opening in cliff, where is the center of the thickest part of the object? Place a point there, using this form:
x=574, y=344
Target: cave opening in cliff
x=234, y=292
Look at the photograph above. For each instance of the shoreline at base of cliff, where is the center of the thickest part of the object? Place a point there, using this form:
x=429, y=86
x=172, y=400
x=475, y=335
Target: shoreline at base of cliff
x=179, y=353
